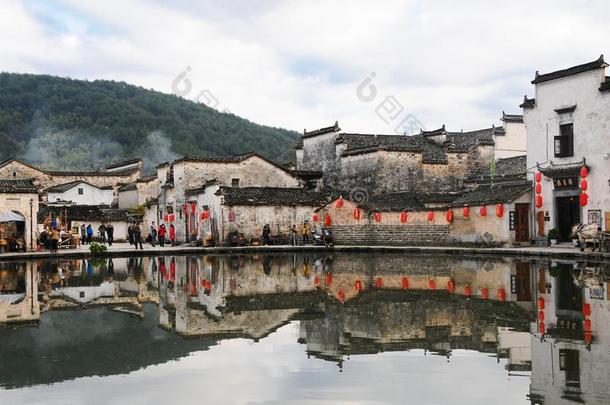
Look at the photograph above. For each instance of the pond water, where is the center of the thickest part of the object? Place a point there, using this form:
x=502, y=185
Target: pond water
x=304, y=328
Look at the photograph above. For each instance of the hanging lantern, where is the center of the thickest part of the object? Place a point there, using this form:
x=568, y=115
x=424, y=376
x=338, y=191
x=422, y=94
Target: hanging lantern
x=165, y=217
x=541, y=328
x=584, y=172
x=315, y=218
x=484, y=293
x=341, y=296
x=327, y=220
x=403, y=217
x=328, y=279
x=430, y=216
x=541, y=316
x=538, y=201
x=587, y=325
x=588, y=337
x=499, y=210
x=432, y=284
x=339, y=203
x=449, y=216
x=466, y=212
x=501, y=294
x=377, y=216
x=483, y=211
x=358, y=285
x=586, y=309
x=171, y=217
x=450, y=286
x=202, y=216
x=378, y=282
x=467, y=291
x=538, y=188
x=405, y=283
x=584, y=198
x=356, y=213
x=538, y=177
x=541, y=303
x=584, y=185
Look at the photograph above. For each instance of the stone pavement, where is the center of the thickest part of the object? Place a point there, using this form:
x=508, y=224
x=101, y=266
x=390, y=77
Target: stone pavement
x=564, y=251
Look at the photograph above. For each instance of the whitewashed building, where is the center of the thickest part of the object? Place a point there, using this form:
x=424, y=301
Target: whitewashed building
x=567, y=127
x=80, y=192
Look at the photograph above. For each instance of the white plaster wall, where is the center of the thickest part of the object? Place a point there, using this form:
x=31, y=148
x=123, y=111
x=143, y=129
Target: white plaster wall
x=128, y=199
x=91, y=195
x=513, y=142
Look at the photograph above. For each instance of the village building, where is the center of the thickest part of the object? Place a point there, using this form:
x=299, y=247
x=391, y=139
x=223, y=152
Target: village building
x=568, y=144
x=139, y=192
x=79, y=192
x=18, y=212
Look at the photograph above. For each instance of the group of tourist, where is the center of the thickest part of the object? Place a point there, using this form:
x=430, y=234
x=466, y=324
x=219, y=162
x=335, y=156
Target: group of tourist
x=134, y=233
x=305, y=232
x=105, y=233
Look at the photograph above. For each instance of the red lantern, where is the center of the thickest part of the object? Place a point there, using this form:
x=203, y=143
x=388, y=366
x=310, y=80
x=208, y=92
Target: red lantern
x=541, y=327
x=484, y=293
x=316, y=281
x=538, y=201
x=430, y=215
x=499, y=210
x=501, y=295
x=483, y=211
x=356, y=213
x=315, y=218
x=586, y=309
x=538, y=177
x=341, y=296
x=449, y=216
x=450, y=286
x=202, y=216
x=339, y=203
x=328, y=279
x=403, y=217
x=584, y=185
x=432, y=284
x=378, y=282
x=405, y=283
x=166, y=217
x=377, y=217
x=584, y=198
x=467, y=291
x=327, y=220
x=588, y=337
x=587, y=325
x=584, y=172
x=171, y=217
x=358, y=285
x=541, y=303
x=466, y=212
x=541, y=316
x=538, y=188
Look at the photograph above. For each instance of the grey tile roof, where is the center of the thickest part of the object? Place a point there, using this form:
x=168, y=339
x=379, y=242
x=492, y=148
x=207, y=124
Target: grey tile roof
x=585, y=67
x=129, y=187
x=17, y=187
x=272, y=196
x=405, y=200
x=503, y=192
x=528, y=102
x=357, y=144
x=553, y=170
x=60, y=188
x=322, y=131
x=125, y=163
x=507, y=169
x=464, y=141
x=84, y=213
x=511, y=117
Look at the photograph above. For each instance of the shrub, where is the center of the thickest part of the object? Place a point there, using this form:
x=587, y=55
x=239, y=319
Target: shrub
x=97, y=248
x=553, y=234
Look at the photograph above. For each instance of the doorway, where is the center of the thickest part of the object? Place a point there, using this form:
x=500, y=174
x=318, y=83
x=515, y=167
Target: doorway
x=522, y=223
x=567, y=214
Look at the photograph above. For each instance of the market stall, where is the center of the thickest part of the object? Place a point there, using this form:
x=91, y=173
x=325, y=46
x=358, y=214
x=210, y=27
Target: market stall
x=12, y=232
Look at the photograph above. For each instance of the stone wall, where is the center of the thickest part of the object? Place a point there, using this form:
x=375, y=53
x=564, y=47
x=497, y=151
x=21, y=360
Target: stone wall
x=379, y=234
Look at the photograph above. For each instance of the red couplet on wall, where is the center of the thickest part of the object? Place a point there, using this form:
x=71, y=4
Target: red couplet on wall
x=584, y=199
x=466, y=212
x=430, y=215
x=538, y=177
x=483, y=211
x=403, y=217
x=377, y=217
x=339, y=203
x=432, y=284
x=327, y=220
x=356, y=213
x=449, y=216
x=538, y=201
x=499, y=210
x=405, y=283
x=584, y=172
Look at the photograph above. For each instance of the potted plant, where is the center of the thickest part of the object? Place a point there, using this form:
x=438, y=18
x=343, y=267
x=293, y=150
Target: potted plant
x=553, y=236
x=575, y=240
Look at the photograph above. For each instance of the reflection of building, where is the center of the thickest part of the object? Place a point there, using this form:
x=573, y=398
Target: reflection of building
x=18, y=293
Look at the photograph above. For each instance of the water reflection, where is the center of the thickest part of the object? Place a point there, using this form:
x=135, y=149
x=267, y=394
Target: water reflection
x=103, y=317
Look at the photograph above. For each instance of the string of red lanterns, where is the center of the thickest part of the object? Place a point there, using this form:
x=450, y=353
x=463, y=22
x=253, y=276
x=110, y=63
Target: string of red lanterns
x=538, y=189
x=584, y=198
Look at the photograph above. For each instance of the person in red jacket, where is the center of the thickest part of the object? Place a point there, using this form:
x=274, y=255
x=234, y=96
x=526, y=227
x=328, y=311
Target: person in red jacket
x=172, y=234
x=161, y=233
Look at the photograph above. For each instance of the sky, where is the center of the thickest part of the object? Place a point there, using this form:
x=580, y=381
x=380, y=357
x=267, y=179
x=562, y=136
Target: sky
x=378, y=67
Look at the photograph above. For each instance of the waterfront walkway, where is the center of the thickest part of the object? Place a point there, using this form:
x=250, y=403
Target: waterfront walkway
x=124, y=249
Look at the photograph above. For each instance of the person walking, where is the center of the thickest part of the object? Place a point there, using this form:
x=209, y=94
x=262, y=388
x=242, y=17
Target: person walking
x=162, y=232
x=54, y=239
x=130, y=233
x=102, y=232
x=83, y=234
x=172, y=234
x=110, y=233
x=306, y=232
x=152, y=233
x=89, y=234
x=137, y=235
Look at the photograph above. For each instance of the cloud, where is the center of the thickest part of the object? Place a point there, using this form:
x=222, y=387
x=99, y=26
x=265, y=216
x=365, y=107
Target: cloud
x=297, y=64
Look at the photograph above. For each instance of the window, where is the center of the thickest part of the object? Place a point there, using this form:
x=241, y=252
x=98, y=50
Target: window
x=564, y=143
x=81, y=294
x=80, y=191
x=234, y=182
x=14, y=174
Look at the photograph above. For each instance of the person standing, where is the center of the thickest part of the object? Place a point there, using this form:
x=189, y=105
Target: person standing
x=102, y=232
x=172, y=234
x=266, y=234
x=162, y=235
x=152, y=233
x=306, y=232
x=130, y=233
x=54, y=239
x=293, y=235
x=83, y=234
x=137, y=235
x=110, y=233
x=89, y=233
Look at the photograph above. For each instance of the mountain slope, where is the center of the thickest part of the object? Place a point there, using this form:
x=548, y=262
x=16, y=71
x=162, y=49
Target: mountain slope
x=60, y=123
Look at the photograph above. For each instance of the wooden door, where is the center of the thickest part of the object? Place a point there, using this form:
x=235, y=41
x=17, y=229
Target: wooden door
x=524, y=292
x=522, y=223
x=540, y=220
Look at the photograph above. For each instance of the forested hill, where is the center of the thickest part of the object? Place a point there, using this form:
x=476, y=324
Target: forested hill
x=60, y=123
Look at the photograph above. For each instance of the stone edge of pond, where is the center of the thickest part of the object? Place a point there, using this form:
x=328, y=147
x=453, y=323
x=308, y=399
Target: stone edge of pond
x=476, y=251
